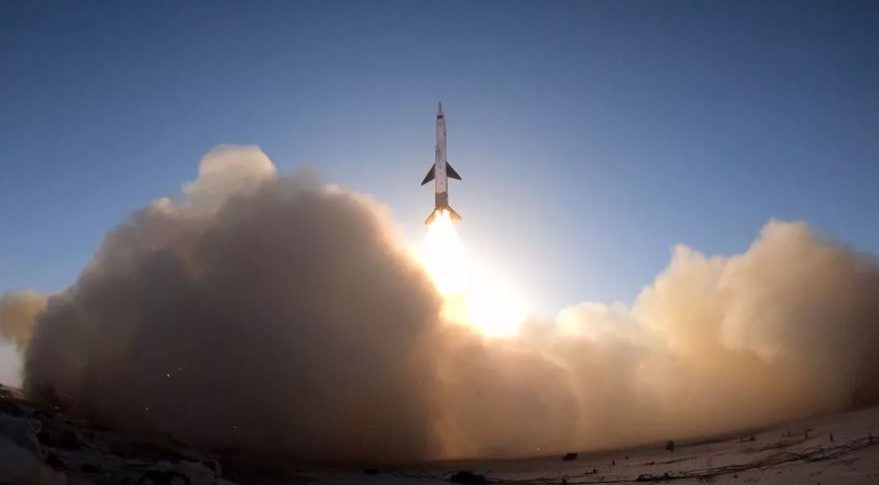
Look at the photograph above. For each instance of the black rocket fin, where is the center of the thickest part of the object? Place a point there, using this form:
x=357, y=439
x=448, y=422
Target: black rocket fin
x=430, y=175
x=451, y=172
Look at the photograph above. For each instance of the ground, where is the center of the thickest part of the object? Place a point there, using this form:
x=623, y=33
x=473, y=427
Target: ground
x=43, y=446
x=800, y=452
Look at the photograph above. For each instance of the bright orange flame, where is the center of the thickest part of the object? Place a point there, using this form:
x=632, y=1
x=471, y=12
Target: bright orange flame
x=473, y=295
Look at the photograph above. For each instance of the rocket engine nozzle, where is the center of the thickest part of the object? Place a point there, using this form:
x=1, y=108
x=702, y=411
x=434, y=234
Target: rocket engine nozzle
x=439, y=212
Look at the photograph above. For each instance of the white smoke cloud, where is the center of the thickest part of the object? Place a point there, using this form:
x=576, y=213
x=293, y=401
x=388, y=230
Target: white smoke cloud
x=272, y=314
x=17, y=314
x=782, y=331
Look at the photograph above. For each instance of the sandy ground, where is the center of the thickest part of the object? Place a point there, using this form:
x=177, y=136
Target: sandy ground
x=39, y=446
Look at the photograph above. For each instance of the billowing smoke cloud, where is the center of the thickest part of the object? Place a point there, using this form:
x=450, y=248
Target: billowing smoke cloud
x=275, y=315
x=786, y=330
x=17, y=314
x=261, y=313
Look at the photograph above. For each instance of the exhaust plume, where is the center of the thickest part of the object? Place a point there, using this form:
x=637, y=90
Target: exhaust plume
x=264, y=314
x=271, y=314
x=17, y=314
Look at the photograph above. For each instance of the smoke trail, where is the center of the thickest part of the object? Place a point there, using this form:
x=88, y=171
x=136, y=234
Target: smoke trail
x=274, y=315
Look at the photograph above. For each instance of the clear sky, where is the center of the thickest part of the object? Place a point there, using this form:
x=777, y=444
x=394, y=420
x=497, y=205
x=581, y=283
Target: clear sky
x=591, y=136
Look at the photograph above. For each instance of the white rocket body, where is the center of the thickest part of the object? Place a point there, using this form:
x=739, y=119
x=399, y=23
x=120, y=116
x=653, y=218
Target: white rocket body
x=441, y=171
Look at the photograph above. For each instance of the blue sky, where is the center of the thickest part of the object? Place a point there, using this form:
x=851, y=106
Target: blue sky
x=591, y=136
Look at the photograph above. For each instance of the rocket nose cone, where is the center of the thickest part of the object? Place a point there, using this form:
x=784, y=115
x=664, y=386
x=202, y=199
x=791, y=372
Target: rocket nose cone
x=439, y=108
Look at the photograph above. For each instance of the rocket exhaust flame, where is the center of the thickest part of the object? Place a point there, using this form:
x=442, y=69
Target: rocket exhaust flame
x=473, y=295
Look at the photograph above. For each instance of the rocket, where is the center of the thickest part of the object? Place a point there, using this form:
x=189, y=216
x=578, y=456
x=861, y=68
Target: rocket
x=441, y=171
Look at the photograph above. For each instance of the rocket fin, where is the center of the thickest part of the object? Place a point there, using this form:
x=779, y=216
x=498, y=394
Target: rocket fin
x=430, y=175
x=451, y=172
